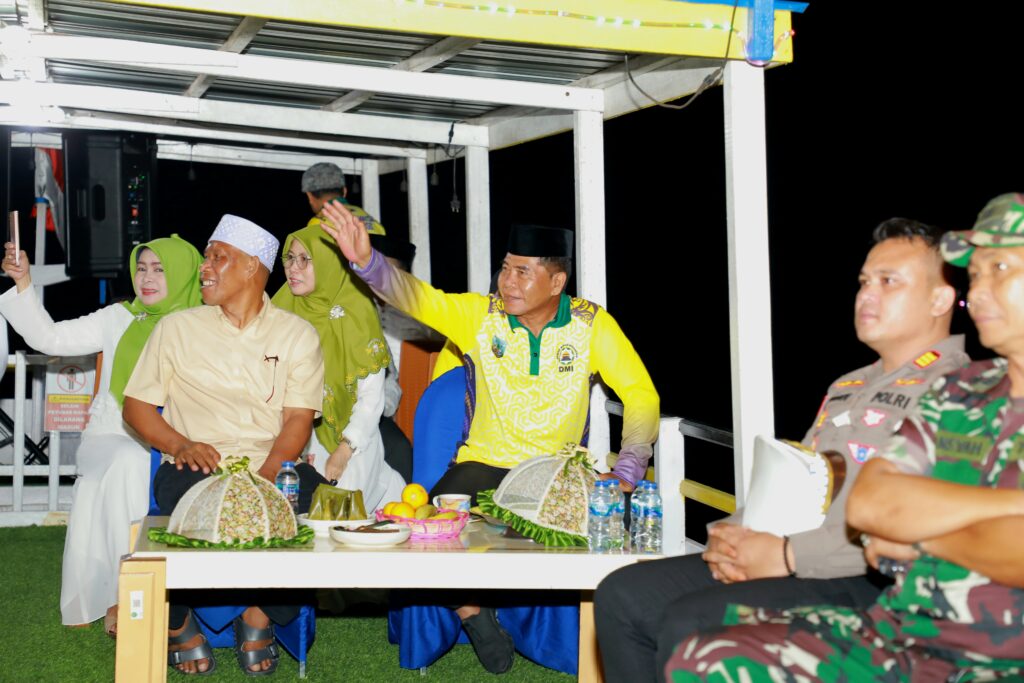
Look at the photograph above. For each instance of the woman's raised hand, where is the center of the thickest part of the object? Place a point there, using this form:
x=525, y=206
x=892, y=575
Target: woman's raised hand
x=348, y=232
x=19, y=272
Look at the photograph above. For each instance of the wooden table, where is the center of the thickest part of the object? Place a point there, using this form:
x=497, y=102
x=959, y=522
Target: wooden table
x=486, y=560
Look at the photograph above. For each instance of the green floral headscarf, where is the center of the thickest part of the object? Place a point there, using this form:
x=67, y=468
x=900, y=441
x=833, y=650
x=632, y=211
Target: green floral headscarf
x=180, y=262
x=341, y=309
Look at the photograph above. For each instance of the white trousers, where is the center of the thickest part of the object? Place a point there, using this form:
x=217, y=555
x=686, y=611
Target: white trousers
x=111, y=492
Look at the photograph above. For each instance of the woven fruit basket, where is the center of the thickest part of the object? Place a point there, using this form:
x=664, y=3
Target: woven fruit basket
x=430, y=528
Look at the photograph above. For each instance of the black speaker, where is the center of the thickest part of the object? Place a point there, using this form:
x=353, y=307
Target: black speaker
x=111, y=183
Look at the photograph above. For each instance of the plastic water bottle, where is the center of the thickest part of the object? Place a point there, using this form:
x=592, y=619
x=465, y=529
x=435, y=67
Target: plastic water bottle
x=287, y=482
x=637, y=510
x=650, y=541
x=616, y=524
x=598, y=516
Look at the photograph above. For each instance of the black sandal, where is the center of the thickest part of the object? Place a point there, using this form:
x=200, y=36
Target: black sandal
x=247, y=658
x=493, y=645
x=201, y=651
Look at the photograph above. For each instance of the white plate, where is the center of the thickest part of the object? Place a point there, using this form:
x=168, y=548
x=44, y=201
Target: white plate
x=322, y=527
x=371, y=539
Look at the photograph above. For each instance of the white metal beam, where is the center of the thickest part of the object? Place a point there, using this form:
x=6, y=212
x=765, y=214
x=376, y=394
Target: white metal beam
x=588, y=140
x=419, y=217
x=149, y=125
x=429, y=57
x=478, y=218
x=514, y=125
x=36, y=15
x=750, y=311
x=386, y=166
x=371, y=188
x=236, y=42
x=247, y=156
x=178, y=59
x=236, y=113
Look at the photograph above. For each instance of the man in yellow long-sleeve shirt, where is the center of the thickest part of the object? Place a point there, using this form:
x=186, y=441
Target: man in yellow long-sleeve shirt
x=531, y=354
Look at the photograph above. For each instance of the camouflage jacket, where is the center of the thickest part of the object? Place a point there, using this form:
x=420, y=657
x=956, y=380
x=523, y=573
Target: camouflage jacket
x=969, y=431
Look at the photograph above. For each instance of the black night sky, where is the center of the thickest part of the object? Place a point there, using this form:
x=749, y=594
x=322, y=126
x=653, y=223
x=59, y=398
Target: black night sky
x=890, y=109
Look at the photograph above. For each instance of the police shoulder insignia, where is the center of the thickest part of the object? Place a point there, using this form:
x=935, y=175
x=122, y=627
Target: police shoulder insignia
x=927, y=358
x=907, y=381
x=850, y=383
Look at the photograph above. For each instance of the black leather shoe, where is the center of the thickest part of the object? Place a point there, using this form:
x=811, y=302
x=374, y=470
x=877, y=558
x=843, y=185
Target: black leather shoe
x=493, y=645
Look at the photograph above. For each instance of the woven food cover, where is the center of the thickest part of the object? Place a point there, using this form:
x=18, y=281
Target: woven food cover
x=232, y=506
x=545, y=498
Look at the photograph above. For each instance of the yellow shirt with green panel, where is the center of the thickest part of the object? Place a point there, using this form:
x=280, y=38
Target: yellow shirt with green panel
x=529, y=395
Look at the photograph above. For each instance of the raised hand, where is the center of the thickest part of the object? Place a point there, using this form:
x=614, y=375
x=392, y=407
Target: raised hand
x=348, y=232
x=18, y=272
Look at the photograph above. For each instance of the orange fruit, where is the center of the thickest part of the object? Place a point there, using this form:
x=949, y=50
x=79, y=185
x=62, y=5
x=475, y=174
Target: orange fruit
x=415, y=495
x=388, y=507
x=403, y=510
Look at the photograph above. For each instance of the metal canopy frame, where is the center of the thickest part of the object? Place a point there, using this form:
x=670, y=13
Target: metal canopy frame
x=216, y=84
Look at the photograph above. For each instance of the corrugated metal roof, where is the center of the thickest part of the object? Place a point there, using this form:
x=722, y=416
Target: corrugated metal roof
x=294, y=40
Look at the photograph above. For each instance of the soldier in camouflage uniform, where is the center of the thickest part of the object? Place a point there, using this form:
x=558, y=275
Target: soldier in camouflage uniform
x=945, y=500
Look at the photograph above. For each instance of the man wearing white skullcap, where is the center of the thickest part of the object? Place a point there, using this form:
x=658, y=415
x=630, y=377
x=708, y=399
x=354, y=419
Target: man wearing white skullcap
x=238, y=377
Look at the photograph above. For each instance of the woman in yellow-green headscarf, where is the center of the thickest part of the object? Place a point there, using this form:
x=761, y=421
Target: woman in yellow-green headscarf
x=112, y=489
x=347, y=447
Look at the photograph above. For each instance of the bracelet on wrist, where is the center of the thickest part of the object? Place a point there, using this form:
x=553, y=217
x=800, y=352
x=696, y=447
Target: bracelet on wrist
x=785, y=556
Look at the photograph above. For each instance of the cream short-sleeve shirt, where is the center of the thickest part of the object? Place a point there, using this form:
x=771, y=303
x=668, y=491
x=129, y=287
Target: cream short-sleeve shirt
x=228, y=387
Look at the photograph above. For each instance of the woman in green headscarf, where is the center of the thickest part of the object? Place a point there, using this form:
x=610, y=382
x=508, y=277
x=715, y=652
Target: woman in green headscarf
x=112, y=489
x=347, y=447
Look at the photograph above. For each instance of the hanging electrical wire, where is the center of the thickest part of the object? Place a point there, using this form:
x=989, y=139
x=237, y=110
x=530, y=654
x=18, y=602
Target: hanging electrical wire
x=709, y=81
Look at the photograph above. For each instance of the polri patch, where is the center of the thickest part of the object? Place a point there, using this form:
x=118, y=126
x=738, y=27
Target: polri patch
x=873, y=417
x=927, y=358
x=860, y=452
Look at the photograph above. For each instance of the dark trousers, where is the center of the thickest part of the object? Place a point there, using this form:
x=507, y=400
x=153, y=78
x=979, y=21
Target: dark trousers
x=397, y=449
x=469, y=477
x=643, y=611
x=169, y=485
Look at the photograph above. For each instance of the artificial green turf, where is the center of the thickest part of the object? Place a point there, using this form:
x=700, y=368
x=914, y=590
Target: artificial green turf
x=34, y=647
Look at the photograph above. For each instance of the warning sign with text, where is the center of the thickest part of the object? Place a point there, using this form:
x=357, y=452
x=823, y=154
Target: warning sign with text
x=69, y=389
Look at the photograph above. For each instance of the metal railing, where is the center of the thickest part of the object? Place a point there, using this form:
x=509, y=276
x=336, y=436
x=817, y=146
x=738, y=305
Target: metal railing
x=18, y=470
x=670, y=473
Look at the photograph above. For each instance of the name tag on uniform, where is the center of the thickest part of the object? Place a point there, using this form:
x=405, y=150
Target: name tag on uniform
x=1016, y=451
x=842, y=419
x=961, y=447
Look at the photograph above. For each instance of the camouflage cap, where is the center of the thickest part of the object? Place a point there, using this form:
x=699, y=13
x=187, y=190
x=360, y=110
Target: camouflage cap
x=1000, y=224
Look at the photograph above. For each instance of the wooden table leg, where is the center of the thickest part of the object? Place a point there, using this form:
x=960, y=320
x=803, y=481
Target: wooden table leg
x=142, y=622
x=590, y=658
